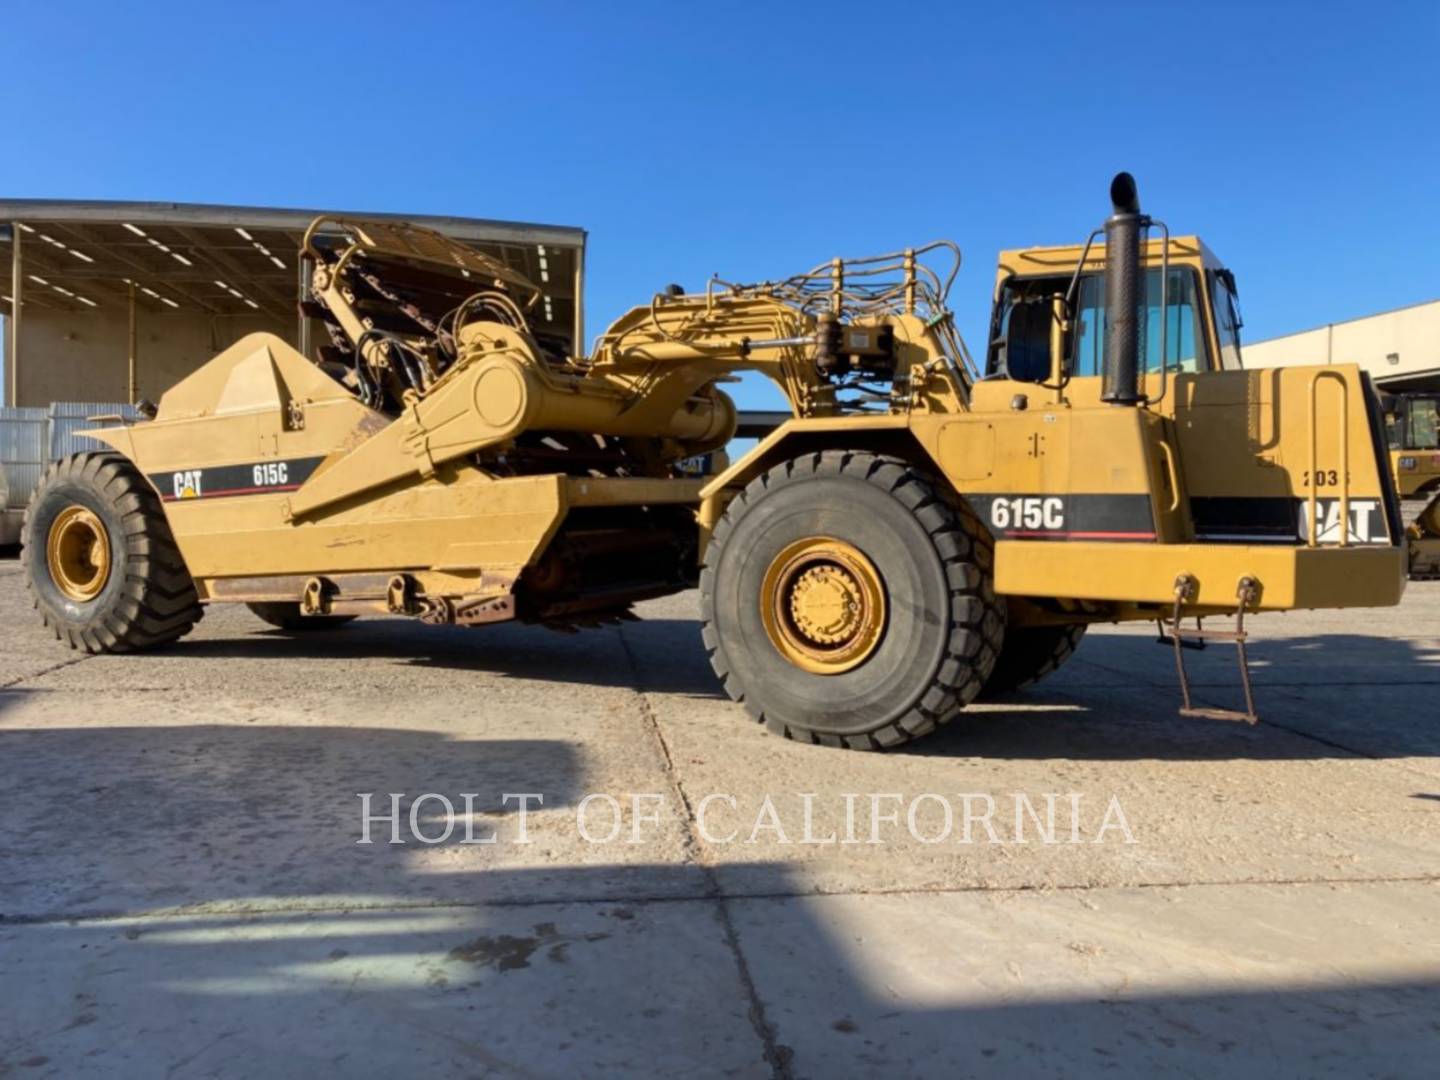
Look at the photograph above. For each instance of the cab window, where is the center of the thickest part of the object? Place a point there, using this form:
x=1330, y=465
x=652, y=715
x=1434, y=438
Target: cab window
x=1394, y=428
x=1412, y=423
x=1021, y=349
x=1227, y=318
x=1087, y=354
x=1424, y=433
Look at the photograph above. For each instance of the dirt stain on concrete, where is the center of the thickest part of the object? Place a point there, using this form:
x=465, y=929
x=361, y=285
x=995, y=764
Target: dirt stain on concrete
x=508, y=952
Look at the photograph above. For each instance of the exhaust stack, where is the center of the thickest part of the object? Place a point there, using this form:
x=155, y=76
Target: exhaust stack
x=1120, y=380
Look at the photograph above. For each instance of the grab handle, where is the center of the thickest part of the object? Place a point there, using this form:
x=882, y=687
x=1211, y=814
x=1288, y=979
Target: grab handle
x=1344, y=476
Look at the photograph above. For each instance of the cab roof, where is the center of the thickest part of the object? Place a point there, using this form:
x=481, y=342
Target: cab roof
x=1045, y=261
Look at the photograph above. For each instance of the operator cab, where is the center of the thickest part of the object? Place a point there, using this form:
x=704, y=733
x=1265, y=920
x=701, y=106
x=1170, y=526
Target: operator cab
x=1412, y=421
x=1412, y=429
x=1041, y=305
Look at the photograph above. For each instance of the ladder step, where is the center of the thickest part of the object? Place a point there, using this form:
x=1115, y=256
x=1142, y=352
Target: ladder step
x=1221, y=714
x=1201, y=635
x=1182, y=639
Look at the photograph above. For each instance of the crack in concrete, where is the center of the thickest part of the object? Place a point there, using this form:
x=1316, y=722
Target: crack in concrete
x=47, y=671
x=706, y=897
x=777, y=1055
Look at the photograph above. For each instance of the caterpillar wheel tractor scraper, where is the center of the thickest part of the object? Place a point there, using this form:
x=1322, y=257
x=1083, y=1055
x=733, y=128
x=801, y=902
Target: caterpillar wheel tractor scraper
x=923, y=531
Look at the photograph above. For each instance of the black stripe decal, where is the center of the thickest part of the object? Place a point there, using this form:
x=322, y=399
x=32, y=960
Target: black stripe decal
x=1261, y=518
x=1066, y=517
x=225, y=481
x=1283, y=519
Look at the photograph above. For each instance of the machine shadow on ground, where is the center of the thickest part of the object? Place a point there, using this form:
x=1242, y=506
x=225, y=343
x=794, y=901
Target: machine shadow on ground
x=326, y=956
x=1116, y=700
x=1312, y=661
x=509, y=650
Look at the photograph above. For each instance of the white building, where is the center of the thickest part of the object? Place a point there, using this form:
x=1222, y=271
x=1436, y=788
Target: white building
x=1400, y=348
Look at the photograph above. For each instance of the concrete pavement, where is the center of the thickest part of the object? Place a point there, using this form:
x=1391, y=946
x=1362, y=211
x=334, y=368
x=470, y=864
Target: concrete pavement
x=182, y=892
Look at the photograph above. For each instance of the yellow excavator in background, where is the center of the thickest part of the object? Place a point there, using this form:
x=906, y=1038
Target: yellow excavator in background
x=922, y=531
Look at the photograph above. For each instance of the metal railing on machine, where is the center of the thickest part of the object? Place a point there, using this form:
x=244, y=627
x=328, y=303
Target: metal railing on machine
x=898, y=282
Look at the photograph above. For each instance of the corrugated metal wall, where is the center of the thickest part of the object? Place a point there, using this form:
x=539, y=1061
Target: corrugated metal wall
x=31, y=438
x=68, y=417
x=24, y=452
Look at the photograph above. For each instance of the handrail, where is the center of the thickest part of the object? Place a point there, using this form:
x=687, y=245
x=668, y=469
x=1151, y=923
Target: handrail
x=1344, y=476
x=1174, y=474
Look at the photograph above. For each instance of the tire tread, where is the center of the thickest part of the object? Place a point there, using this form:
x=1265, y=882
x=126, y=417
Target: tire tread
x=966, y=553
x=157, y=602
x=1029, y=655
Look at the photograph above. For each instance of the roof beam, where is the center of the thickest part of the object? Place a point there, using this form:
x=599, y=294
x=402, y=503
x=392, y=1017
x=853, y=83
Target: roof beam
x=152, y=275
x=264, y=217
x=230, y=267
x=37, y=262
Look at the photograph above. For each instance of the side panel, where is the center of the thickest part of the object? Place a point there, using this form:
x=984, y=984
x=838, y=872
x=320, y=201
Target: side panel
x=1245, y=439
x=1043, y=474
x=233, y=443
x=461, y=521
x=1054, y=474
x=1417, y=472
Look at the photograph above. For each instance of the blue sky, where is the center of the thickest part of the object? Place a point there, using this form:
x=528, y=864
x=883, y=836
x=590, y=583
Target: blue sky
x=1302, y=141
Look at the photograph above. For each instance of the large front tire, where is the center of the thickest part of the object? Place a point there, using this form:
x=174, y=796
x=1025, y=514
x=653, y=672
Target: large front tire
x=100, y=561
x=845, y=602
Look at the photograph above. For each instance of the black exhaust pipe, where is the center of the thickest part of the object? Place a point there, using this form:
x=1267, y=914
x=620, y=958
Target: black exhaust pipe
x=1120, y=381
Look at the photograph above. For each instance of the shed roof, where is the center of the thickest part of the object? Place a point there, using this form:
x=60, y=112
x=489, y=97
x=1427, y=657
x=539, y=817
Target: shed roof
x=226, y=260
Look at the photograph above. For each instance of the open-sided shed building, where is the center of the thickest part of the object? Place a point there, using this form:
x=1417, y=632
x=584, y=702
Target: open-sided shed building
x=114, y=302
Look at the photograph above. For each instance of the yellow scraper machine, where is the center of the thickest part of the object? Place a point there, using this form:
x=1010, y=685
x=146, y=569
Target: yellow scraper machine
x=922, y=532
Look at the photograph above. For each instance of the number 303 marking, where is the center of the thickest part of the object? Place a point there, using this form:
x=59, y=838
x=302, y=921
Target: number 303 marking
x=1028, y=513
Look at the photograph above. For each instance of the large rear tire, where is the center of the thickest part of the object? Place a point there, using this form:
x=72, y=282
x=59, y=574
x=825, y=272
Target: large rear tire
x=845, y=602
x=1031, y=653
x=100, y=561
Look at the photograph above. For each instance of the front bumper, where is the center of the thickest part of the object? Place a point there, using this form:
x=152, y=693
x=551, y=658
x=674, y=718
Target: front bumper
x=1145, y=573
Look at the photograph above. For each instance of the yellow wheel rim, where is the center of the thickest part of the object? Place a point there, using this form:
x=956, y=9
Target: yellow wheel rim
x=823, y=605
x=77, y=553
